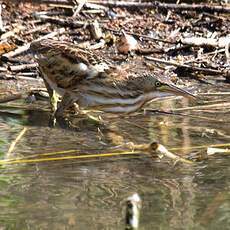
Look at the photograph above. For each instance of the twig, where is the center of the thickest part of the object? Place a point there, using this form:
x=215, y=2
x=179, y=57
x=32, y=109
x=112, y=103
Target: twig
x=98, y=45
x=215, y=94
x=70, y=22
x=194, y=68
x=151, y=111
x=15, y=60
x=57, y=2
x=169, y=6
x=62, y=6
x=26, y=47
x=145, y=37
x=13, y=144
x=78, y=8
x=92, y=6
x=17, y=68
x=36, y=29
x=86, y=156
x=205, y=55
x=69, y=5
x=1, y=22
x=29, y=77
x=3, y=69
x=215, y=106
x=143, y=147
x=202, y=41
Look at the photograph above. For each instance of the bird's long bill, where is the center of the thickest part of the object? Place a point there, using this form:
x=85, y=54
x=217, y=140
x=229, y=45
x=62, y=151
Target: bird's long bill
x=178, y=91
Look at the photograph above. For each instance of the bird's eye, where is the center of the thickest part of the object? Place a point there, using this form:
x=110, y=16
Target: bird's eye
x=157, y=84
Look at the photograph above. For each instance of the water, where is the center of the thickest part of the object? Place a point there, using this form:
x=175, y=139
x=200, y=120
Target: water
x=90, y=194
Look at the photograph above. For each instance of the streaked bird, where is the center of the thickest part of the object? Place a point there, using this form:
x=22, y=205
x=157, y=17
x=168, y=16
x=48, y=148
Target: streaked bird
x=82, y=77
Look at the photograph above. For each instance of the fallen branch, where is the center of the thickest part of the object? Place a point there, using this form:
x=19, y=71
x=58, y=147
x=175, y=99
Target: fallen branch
x=78, y=8
x=70, y=22
x=201, y=41
x=29, y=76
x=168, y=6
x=1, y=22
x=224, y=73
x=26, y=47
x=144, y=37
x=56, y=2
x=70, y=5
x=3, y=69
x=17, y=68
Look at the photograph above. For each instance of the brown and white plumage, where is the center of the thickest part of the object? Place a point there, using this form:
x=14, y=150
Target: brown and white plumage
x=83, y=77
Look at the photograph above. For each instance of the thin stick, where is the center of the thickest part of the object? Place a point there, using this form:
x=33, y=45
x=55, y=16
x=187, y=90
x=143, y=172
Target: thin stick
x=41, y=155
x=199, y=147
x=25, y=47
x=17, y=68
x=170, y=6
x=79, y=7
x=149, y=111
x=63, y=22
x=204, y=70
x=215, y=94
x=215, y=106
x=13, y=144
x=1, y=22
x=85, y=156
x=145, y=37
x=3, y=162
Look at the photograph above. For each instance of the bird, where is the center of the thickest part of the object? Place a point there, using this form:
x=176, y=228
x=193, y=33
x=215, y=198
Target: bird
x=84, y=77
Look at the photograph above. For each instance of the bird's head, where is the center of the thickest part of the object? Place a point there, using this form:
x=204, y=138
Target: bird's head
x=166, y=88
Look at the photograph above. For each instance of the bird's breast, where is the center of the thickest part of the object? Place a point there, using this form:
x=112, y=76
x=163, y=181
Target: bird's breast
x=113, y=104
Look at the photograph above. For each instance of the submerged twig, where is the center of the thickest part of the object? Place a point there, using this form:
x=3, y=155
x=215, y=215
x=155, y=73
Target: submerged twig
x=13, y=144
x=3, y=162
x=212, y=151
x=214, y=106
x=152, y=149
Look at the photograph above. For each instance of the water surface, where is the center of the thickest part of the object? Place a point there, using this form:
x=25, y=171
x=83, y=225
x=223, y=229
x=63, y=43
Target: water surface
x=90, y=194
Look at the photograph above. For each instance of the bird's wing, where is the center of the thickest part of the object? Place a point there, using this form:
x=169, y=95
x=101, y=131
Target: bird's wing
x=50, y=47
x=66, y=64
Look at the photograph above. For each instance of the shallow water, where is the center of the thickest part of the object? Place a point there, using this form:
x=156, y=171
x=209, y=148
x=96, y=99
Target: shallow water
x=90, y=194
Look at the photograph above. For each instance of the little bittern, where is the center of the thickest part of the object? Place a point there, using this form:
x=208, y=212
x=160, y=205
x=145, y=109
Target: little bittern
x=81, y=77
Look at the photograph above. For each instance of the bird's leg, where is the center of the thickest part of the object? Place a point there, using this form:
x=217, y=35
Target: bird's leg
x=65, y=103
x=92, y=118
x=54, y=101
x=53, y=97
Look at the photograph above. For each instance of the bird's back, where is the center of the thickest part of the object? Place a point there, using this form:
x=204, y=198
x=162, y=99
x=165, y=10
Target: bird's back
x=65, y=64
